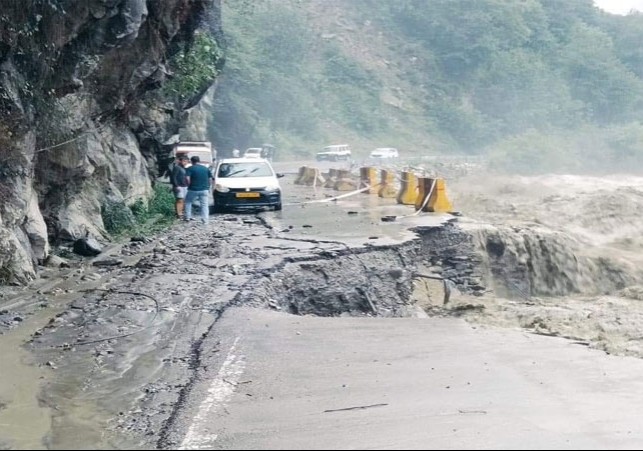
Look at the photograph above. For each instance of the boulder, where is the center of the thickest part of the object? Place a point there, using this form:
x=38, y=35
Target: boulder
x=87, y=246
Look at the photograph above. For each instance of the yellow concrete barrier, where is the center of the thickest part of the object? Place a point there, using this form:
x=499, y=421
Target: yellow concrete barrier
x=439, y=202
x=409, y=190
x=387, y=185
x=315, y=178
x=333, y=176
x=368, y=178
x=345, y=181
x=301, y=177
x=310, y=177
x=424, y=188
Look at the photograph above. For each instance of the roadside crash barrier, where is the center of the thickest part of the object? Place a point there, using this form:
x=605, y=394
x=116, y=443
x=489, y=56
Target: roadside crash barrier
x=310, y=177
x=439, y=202
x=333, y=176
x=345, y=181
x=301, y=176
x=432, y=196
x=409, y=190
x=426, y=194
x=318, y=179
x=368, y=179
x=425, y=189
x=387, y=185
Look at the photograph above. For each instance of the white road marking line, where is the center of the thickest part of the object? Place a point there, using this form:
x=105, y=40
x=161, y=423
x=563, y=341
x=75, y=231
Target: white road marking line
x=219, y=394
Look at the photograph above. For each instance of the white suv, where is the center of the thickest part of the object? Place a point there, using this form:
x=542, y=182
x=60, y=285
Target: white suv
x=335, y=153
x=385, y=153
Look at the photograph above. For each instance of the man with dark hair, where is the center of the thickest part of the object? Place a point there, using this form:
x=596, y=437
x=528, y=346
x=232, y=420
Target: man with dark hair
x=198, y=178
x=179, y=184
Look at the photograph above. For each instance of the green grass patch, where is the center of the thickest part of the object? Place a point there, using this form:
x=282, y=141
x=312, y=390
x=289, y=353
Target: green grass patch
x=144, y=217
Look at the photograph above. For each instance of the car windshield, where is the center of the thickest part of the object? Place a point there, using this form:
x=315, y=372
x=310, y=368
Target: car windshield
x=236, y=170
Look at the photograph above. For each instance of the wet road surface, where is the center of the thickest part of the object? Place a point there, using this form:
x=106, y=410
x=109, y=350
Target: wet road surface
x=315, y=383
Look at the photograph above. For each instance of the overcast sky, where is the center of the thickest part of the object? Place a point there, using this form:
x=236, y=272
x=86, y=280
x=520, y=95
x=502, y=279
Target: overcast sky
x=619, y=6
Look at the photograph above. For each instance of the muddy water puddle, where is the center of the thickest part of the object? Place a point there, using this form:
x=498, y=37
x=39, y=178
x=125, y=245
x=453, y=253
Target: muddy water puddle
x=33, y=419
x=29, y=417
x=24, y=421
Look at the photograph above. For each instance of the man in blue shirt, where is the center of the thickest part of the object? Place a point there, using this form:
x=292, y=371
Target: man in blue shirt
x=198, y=178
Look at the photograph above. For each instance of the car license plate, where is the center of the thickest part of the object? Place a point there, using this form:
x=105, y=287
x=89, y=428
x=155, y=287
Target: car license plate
x=248, y=195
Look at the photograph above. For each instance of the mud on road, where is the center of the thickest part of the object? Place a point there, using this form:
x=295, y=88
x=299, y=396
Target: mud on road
x=112, y=350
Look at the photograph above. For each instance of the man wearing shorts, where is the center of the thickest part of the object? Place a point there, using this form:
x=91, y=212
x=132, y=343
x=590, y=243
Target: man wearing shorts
x=180, y=184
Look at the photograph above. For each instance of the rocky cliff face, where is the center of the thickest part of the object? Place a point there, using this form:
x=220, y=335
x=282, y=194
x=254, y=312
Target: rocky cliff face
x=82, y=116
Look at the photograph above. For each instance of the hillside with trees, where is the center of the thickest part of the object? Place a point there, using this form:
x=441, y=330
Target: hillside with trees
x=535, y=84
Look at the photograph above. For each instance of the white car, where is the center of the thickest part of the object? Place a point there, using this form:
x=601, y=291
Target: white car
x=246, y=183
x=334, y=153
x=385, y=153
x=253, y=152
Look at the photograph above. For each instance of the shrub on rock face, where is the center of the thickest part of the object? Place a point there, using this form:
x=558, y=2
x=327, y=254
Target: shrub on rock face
x=117, y=217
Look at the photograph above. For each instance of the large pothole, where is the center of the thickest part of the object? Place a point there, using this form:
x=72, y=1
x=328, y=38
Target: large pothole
x=373, y=280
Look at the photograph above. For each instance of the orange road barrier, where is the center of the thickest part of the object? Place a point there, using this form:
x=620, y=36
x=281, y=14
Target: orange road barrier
x=368, y=179
x=409, y=190
x=387, y=185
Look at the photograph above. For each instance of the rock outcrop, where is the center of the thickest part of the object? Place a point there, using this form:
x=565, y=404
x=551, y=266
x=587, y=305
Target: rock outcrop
x=83, y=116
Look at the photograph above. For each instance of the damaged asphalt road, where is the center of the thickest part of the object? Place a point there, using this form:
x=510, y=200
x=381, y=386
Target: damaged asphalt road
x=115, y=349
x=294, y=330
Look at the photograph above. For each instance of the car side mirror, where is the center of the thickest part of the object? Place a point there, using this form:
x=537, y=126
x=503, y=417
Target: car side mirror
x=280, y=176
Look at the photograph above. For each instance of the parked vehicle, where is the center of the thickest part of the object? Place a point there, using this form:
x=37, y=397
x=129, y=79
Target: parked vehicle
x=202, y=149
x=268, y=152
x=246, y=183
x=385, y=153
x=253, y=152
x=335, y=153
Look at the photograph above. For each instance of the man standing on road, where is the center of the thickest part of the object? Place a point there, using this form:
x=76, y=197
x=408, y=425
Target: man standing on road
x=179, y=184
x=198, y=178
